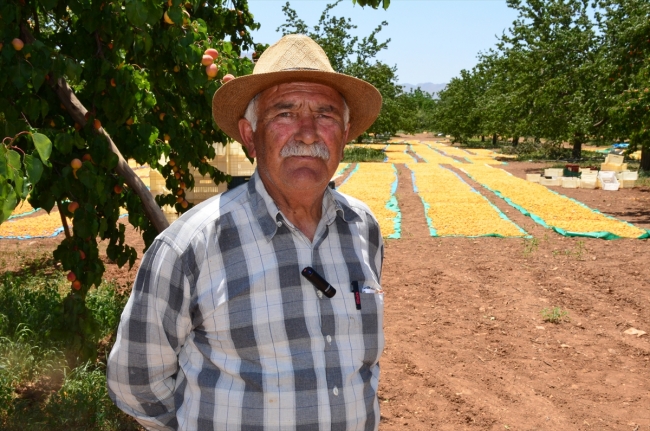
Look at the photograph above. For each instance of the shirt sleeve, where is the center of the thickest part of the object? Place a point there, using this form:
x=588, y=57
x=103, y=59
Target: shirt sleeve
x=142, y=367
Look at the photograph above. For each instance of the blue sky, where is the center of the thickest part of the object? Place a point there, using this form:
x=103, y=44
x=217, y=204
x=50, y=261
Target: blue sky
x=431, y=40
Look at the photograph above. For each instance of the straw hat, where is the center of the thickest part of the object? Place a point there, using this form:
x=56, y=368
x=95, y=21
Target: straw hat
x=294, y=58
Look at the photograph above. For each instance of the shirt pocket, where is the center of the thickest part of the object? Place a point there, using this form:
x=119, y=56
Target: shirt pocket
x=367, y=323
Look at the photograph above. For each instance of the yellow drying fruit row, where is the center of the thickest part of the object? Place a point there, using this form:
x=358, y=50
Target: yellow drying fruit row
x=23, y=208
x=373, y=183
x=430, y=155
x=40, y=225
x=453, y=208
x=396, y=154
x=555, y=210
x=481, y=156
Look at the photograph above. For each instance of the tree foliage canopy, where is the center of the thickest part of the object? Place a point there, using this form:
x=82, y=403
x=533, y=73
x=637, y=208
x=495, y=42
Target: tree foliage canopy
x=566, y=70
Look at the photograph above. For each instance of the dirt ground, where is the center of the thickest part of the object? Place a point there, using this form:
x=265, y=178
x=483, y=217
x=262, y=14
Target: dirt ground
x=467, y=347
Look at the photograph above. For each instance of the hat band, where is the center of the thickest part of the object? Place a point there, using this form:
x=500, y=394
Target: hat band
x=301, y=68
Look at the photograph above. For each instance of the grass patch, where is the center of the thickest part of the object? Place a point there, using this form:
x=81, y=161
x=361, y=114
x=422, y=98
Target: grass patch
x=554, y=315
x=362, y=154
x=43, y=384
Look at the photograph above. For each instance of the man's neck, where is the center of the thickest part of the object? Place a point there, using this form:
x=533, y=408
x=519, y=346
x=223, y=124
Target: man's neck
x=303, y=209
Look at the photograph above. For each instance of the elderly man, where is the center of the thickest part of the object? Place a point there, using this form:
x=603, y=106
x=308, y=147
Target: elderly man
x=222, y=332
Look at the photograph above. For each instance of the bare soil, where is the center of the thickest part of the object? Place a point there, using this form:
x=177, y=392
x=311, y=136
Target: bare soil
x=467, y=347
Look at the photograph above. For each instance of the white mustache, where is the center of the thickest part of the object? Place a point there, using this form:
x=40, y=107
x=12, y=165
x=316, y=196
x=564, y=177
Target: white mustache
x=299, y=149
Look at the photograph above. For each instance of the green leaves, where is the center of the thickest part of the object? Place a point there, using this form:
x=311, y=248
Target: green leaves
x=373, y=3
x=8, y=199
x=140, y=12
x=34, y=168
x=43, y=146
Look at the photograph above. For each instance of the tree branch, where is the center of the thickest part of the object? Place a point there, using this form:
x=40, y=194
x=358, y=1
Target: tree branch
x=77, y=111
x=64, y=221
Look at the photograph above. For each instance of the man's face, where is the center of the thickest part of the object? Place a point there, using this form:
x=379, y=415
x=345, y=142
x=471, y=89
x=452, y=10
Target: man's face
x=300, y=135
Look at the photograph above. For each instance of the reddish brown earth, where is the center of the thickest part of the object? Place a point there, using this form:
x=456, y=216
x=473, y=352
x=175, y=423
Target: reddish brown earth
x=466, y=345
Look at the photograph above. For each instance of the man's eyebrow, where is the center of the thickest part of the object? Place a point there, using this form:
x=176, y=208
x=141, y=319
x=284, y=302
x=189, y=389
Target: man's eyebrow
x=326, y=108
x=283, y=105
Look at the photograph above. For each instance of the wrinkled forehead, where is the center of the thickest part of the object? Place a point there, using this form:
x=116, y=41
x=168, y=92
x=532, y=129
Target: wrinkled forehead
x=301, y=90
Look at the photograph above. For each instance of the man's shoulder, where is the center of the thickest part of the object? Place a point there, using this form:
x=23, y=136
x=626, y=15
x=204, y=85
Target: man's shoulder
x=203, y=218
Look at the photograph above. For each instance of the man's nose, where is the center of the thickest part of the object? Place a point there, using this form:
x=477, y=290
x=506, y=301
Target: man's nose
x=307, y=130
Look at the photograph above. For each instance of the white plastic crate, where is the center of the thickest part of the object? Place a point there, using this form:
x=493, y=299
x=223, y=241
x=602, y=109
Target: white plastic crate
x=588, y=183
x=156, y=183
x=627, y=184
x=608, y=180
x=614, y=159
x=570, y=182
x=534, y=178
x=550, y=181
x=204, y=188
x=553, y=172
x=613, y=167
x=627, y=175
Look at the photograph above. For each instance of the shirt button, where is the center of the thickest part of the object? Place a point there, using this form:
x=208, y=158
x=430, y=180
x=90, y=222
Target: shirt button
x=279, y=224
x=320, y=294
x=335, y=391
x=329, y=339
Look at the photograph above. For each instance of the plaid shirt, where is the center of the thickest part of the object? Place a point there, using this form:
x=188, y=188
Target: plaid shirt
x=221, y=331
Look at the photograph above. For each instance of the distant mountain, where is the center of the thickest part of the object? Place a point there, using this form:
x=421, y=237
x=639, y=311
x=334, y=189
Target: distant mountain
x=428, y=87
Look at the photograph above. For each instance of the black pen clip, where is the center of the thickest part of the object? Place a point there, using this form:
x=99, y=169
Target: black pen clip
x=319, y=282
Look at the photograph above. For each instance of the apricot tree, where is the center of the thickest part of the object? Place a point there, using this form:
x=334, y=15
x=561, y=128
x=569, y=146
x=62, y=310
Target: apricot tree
x=85, y=85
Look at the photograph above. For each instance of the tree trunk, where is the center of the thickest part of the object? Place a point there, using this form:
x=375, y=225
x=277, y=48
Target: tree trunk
x=645, y=159
x=482, y=138
x=494, y=140
x=77, y=112
x=515, y=141
x=576, y=153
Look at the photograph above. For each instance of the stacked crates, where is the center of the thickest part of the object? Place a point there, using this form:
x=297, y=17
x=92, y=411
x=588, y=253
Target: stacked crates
x=614, y=163
x=231, y=160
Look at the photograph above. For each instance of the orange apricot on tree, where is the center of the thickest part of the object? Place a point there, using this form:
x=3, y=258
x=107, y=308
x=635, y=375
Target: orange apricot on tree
x=17, y=44
x=212, y=53
x=207, y=60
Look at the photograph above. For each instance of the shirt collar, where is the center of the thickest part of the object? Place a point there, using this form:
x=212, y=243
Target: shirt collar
x=268, y=215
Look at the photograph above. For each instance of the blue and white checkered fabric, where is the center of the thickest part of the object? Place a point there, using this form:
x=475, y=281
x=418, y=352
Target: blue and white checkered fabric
x=221, y=332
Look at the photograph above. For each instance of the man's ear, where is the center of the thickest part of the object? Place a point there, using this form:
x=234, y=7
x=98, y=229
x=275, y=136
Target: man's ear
x=246, y=133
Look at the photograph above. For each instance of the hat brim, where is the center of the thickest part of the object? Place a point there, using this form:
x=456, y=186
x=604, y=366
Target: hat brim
x=230, y=101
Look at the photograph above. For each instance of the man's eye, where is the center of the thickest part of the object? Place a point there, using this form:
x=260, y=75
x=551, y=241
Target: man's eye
x=284, y=114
